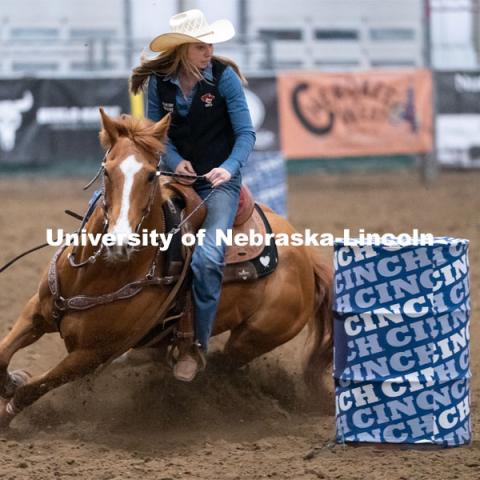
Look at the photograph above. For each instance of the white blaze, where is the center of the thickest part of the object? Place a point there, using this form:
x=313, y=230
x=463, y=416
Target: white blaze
x=129, y=167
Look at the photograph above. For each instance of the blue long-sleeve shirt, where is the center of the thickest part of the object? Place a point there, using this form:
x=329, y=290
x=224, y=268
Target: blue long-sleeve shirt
x=231, y=89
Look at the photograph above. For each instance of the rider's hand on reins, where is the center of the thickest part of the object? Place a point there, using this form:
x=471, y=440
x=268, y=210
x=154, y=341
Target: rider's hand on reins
x=217, y=176
x=185, y=168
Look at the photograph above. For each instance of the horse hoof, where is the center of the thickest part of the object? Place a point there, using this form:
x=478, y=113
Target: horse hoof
x=20, y=377
x=16, y=379
x=5, y=416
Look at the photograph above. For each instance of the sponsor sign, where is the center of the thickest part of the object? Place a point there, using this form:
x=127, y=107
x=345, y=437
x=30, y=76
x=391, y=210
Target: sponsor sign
x=265, y=172
x=458, y=118
x=355, y=113
x=266, y=176
x=45, y=121
x=262, y=99
x=401, y=361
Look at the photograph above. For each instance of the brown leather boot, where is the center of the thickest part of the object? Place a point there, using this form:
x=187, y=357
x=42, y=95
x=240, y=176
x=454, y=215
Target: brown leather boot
x=189, y=364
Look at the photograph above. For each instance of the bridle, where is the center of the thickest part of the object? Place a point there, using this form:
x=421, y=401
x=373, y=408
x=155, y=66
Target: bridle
x=106, y=221
x=102, y=171
x=83, y=302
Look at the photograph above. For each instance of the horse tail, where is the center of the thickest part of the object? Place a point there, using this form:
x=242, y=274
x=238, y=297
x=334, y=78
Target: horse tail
x=321, y=327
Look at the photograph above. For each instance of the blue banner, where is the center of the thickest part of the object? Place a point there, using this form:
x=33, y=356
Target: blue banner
x=401, y=360
x=266, y=176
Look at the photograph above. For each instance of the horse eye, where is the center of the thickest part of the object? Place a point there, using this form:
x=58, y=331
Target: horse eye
x=151, y=177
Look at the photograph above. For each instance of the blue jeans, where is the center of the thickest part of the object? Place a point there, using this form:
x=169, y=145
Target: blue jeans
x=208, y=258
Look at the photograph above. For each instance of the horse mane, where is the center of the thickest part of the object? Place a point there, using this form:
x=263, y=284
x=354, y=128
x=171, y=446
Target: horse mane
x=141, y=131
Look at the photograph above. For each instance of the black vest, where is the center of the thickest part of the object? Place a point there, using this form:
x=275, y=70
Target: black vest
x=205, y=136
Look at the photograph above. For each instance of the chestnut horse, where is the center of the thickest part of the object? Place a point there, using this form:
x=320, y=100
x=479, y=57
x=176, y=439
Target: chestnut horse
x=260, y=315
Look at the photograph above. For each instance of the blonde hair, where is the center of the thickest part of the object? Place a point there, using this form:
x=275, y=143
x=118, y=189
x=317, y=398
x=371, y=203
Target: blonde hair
x=169, y=63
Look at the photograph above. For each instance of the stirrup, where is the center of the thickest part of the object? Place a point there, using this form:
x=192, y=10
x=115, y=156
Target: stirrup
x=173, y=354
x=174, y=351
x=201, y=355
x=171, y=358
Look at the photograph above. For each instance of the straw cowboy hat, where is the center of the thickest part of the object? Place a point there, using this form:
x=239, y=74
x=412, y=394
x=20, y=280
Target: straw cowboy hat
x=192, y=27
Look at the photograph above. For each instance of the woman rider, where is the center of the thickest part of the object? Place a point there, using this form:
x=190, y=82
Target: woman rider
x=212, y=135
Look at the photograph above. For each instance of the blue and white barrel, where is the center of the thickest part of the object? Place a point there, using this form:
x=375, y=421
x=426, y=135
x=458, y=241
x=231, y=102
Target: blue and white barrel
x=401, y=342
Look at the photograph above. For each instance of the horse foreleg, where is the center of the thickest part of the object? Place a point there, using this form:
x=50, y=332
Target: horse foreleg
x=76, y=364
x=28, y=328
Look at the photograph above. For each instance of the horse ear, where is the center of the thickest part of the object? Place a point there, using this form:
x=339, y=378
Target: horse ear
x=109, y=133
x=160, y=129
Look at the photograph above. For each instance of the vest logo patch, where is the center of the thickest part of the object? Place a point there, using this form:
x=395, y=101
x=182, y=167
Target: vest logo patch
x=168, y=107
x=207, y=99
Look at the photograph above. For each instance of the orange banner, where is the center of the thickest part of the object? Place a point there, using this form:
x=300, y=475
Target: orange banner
x=355, y=114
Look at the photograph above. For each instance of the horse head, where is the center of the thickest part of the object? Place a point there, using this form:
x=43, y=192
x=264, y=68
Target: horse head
x=133, y=147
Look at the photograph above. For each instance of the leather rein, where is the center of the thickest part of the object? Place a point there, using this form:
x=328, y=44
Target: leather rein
x=62, y=305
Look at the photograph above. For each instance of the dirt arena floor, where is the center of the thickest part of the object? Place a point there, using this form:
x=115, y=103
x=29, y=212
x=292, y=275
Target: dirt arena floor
x=134, y=421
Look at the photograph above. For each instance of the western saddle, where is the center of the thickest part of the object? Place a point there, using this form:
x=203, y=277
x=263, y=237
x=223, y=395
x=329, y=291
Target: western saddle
x=242, y=263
